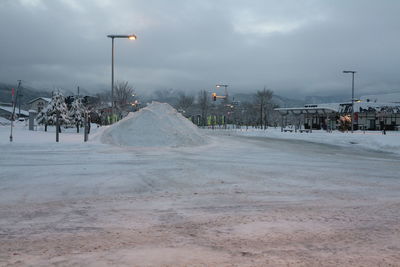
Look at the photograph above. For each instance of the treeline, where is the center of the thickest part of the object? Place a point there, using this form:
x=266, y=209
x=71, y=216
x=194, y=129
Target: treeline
x=204, y=111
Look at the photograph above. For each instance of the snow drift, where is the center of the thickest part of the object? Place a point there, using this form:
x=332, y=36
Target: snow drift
x=156, y=125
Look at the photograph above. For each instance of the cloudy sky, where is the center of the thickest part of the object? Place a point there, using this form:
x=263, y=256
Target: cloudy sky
x=295, y=48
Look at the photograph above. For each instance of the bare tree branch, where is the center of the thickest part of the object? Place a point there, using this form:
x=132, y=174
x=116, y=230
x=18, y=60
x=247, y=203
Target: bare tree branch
x=123, y=93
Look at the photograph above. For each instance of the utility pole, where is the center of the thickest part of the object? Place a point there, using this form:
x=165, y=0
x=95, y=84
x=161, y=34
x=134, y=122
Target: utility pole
x=14, y=103
x=12, y=114
x=19, y=97
x=352, y=98
x=226, y=101
x=78, y=91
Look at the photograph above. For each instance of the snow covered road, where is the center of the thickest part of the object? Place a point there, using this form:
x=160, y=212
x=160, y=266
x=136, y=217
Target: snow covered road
x=238, y=201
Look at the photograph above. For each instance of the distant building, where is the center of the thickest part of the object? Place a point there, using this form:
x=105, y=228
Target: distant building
x=367, y=115
x=6, y=112
x=8, y=104
x=312, y=116
x=376, y=116
x=39, y=103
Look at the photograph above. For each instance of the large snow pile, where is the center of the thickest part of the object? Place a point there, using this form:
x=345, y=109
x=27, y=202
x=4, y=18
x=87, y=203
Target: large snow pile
x=156, y=125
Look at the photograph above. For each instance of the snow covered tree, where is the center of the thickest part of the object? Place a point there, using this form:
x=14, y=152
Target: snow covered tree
x=77, y=113
x=42, y=118
x=184, y=102
x=56, y=107
x=262, y=99
x=203, y=101
x=123, y=92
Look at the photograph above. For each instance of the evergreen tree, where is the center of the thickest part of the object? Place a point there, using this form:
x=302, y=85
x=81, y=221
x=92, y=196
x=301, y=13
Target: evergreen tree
x=56, y=106
x=42, y=118
x=77, y=113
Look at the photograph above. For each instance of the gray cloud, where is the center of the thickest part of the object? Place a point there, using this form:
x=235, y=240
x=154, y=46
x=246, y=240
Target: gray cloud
x=293, y=47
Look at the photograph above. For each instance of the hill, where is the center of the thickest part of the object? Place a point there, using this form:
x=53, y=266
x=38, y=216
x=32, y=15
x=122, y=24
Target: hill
x=277, y=99
x=28, y=93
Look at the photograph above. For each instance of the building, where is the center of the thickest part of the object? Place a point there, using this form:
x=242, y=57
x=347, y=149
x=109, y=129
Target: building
x=39, y=103
x=315, y=116
x=375, y=116
x=6, y=112
x=8, y=104
x=367, y=116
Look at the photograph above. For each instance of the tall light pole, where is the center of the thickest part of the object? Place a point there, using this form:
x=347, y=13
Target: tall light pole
x=19, y=97
x=113, y=36
x=352, y=98
x=226, y=89
x=226, y=101
x=14, y=104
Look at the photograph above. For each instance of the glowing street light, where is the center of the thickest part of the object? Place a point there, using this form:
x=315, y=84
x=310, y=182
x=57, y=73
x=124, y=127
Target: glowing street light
x=226, y=88
x=113, y=36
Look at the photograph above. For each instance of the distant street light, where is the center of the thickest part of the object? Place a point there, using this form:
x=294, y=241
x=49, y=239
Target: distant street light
x=113, y=36
x=226, y=89
x=352, y=97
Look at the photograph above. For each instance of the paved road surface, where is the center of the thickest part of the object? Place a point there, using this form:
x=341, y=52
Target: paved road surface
x=237, y=202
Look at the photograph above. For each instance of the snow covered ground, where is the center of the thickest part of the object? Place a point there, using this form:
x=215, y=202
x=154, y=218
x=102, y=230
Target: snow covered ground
x=239, y=200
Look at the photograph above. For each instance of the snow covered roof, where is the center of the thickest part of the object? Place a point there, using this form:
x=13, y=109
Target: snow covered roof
x=383, y=98
x=359, y=106
x=4, y=121
x=374, y=106
x=10, y=109
x=5, y=104
x=330, y=106
x=312, y=108
x=306, y=110
x=47, y=99
x=341, y=108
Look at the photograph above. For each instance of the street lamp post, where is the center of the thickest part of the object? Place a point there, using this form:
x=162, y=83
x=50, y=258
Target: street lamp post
x=226, y=101
x=352, y=98
x=113, y=36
